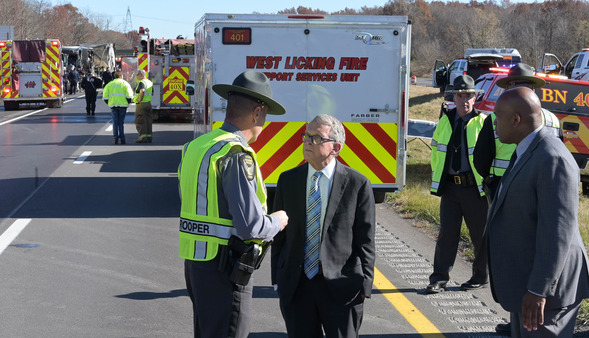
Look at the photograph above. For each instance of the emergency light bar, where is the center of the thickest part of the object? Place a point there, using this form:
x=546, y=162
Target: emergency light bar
x=499, y=69
x=553, y=76
x=55, y=43
x=2, y=44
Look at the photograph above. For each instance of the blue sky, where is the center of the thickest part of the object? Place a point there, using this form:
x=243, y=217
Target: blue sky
x=170, y=21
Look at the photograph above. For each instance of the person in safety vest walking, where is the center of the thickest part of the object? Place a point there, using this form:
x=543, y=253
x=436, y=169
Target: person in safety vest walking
x=118, y=94
x=224, y=225
x=459, y=185
x=143, y=112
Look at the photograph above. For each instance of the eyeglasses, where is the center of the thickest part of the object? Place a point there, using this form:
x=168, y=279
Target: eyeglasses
x=315, y=139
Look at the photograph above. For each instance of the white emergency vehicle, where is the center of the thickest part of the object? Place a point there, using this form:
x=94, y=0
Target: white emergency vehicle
x=576, y=67
x=353, y=67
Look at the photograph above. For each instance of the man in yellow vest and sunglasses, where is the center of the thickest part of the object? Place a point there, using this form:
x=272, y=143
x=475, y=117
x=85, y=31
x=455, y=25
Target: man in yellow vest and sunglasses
x=224, y=225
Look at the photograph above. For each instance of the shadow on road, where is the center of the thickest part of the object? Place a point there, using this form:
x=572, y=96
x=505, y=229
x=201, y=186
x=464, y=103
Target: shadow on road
x=154, y=295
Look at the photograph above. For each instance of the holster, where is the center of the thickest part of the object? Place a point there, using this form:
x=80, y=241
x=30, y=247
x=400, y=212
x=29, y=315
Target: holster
x=248, y=257
x=490, y=186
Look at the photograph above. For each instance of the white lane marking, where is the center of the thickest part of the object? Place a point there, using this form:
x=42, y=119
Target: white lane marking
x=10, y=234
x=109, y=128
x=82, y=157
x=22, y=117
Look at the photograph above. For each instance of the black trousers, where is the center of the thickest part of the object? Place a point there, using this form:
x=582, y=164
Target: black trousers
x=90, y=102
x=458, y=203
x=313, y=308
x=221, y=308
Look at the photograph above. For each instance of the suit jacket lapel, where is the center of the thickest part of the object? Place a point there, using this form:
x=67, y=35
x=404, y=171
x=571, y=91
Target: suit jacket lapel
x=338, y=186
x=299, y=194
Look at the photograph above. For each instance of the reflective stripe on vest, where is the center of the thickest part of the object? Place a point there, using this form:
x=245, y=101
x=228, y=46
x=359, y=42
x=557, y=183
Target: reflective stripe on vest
x=148, y=86
x=116, y=92
x=551, y=122
x=202, y=229
x=504, y=151
x=440, y=141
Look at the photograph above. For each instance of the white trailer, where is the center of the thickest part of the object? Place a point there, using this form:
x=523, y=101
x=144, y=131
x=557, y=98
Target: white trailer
x=353, y=67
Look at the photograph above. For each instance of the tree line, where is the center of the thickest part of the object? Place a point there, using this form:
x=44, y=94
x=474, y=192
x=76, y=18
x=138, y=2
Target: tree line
x=38, y=19
x=440, y=30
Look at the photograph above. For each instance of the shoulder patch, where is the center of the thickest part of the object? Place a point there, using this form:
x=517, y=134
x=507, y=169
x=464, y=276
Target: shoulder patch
x=249, y=167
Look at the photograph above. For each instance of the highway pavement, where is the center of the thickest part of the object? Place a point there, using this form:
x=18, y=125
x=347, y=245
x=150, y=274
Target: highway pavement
x=88, y=242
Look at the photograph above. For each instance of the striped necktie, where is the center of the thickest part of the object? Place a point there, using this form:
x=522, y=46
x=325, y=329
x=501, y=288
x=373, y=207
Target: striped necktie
x=312, y=231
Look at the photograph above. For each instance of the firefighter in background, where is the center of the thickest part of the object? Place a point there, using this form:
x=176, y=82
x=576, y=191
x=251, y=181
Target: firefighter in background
x=143, y=112
x=118, y=94
x=224, y=203
x=90, y=84
x=491, y=157
x=459, y=185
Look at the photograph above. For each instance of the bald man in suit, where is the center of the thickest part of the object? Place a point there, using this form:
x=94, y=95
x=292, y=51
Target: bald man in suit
x=324, y=289
x=537, y=259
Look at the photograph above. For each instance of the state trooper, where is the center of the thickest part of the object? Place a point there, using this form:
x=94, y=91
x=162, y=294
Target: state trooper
x=459, y=185
x=224, y=208
x=491, y=157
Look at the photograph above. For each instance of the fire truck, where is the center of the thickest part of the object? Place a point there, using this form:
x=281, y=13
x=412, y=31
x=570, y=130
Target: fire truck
x=32, y=73
x=169, y=64
x=352, y=67
x=567, y=99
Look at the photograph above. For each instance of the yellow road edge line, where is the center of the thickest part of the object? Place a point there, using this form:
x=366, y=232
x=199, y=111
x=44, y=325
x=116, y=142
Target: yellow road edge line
x=420, y=322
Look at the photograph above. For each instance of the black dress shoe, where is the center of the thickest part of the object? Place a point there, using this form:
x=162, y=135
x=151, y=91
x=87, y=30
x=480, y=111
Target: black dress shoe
x=503, y=328
x=116, y=141
x=436, y=287
x=470, y=285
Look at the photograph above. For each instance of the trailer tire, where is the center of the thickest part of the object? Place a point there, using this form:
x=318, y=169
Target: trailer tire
x=10, y=105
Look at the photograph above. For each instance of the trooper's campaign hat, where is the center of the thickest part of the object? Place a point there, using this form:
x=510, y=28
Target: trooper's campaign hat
x=255, y=84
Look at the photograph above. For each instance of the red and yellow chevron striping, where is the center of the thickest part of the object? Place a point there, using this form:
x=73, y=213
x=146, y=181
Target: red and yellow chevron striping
x=370, y=148
x=174, y=85
x=576, y=141
x=142, y=62
x=50, y=69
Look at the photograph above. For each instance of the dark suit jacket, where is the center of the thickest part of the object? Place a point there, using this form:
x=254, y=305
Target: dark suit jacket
x=534, y=239
x=347, y=240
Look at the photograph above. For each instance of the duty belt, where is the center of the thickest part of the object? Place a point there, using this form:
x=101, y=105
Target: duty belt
x=465, y=179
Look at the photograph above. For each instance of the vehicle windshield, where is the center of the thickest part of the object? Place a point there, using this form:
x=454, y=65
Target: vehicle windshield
x=483, y=84
x=495, y=92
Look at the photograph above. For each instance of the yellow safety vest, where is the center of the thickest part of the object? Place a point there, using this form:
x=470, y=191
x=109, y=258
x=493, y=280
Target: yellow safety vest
x=116, y=92
x=440, y=141
x=202, y=229
x=504, y=151
x=148, y=86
